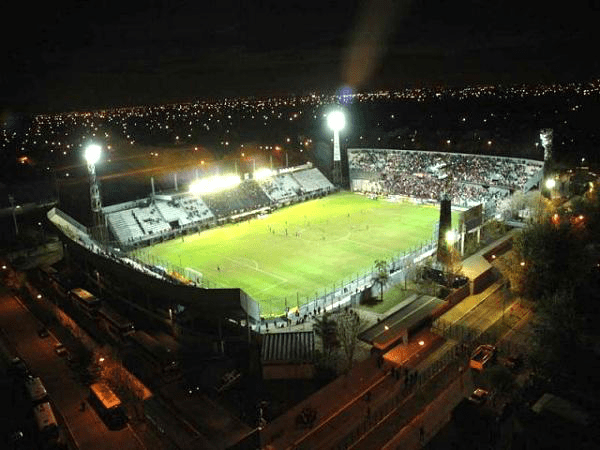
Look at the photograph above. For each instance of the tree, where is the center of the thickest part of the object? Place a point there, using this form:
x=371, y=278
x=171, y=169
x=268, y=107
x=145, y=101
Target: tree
x=546, y=257
x=382, y=275
x=349, y=326
x=559, y=339
x=325, y=329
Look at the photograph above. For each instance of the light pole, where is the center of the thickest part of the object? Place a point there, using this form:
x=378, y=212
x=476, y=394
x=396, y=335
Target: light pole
x=92, y=155
x=336, y=122
x=11, y=200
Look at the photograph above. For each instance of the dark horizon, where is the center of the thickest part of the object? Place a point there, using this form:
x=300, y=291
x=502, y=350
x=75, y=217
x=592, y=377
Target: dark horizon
x=95, y=57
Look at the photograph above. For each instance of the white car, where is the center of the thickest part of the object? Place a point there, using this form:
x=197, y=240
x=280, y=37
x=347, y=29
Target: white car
x=60, y=350
x=479, y=396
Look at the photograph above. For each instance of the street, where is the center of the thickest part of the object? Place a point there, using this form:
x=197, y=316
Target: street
x=87, y=429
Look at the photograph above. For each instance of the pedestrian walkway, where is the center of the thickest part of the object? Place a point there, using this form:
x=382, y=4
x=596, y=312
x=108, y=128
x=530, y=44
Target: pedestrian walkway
x=283, y=432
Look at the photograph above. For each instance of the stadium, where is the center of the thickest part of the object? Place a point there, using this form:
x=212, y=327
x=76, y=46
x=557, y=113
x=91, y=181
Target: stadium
x=279, y=242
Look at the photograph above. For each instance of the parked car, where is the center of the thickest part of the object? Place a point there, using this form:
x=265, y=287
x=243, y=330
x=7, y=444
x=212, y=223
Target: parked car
x=60, y=350
x=442, y=278
x=459, y=281
x=482, y=356
x=479, y=396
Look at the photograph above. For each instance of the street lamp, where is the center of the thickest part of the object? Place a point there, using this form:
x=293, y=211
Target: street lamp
x=336, y=122
x=550, y=183
x=92, y=155
x=11, y=200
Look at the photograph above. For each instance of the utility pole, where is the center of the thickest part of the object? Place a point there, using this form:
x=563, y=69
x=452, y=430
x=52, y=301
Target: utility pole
x=11, y=199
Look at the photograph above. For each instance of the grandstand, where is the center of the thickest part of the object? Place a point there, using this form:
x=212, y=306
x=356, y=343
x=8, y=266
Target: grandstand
x=164, y=216
x=468, y=179
x=313, y=181
x=281, y=189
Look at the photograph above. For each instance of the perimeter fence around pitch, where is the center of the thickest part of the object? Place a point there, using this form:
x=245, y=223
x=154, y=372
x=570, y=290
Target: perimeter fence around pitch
x=347, y=292
x=342, y=293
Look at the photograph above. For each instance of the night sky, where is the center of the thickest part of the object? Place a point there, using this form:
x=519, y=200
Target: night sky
x=80, y=55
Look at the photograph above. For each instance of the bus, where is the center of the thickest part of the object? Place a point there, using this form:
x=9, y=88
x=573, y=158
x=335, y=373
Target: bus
x=85, y=301
x=36, y=390
x=160, y=357
x=116, y=326
x=45, y=421
x=108, y=405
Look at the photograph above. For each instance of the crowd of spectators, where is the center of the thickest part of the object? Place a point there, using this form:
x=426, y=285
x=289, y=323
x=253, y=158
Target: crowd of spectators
x=467, y=179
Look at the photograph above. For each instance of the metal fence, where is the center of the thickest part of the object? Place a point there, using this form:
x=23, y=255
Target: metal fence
x=473, y=337
x=425, y=384
x=342, y=293
x=409, y=397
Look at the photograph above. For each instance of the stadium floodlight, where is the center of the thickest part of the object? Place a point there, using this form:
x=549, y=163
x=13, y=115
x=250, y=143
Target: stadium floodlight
x=261, y=174
x=550, y=183
x=214, y=184
x=336, y=120
x=92, y=153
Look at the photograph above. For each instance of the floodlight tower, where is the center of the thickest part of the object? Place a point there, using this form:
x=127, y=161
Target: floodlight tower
x=336, y=122
x=92, y=155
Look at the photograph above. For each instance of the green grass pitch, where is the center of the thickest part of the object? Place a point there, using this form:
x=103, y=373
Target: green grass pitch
x=301, y=249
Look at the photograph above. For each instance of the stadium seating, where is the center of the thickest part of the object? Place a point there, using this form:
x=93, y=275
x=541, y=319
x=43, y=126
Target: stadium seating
x=281, y=188
x=124, y=226
x=468, y=179
x=168, y=211
x=312, y=181
x=247, y=196
x=150, y=220
x=159, y=216
x=195, y=210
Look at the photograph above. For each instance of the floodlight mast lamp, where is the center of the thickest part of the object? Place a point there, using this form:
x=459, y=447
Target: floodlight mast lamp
x=336, y=122
x=92, y=155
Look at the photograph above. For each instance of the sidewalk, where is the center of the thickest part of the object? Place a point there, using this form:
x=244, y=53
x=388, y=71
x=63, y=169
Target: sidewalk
x=283, y=431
